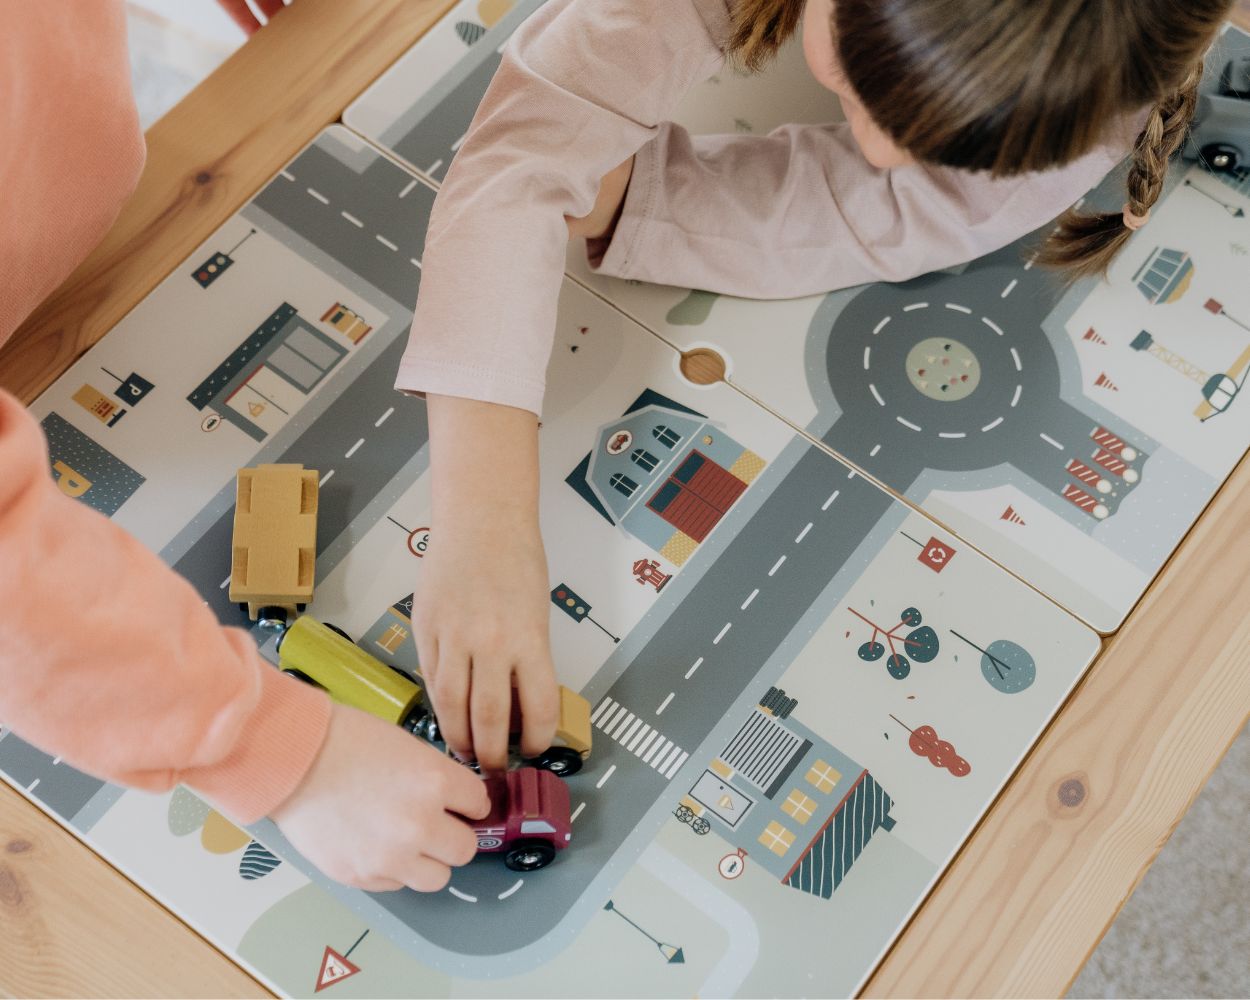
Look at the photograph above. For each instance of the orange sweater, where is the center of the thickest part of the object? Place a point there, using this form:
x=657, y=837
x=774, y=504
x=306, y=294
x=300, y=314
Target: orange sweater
x=135, y=681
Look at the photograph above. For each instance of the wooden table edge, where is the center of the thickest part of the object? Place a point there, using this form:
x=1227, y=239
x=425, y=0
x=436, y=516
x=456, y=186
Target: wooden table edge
x=190, y=187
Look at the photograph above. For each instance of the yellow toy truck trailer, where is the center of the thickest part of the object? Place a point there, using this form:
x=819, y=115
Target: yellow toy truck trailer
x=273, y=558
x=325, y=656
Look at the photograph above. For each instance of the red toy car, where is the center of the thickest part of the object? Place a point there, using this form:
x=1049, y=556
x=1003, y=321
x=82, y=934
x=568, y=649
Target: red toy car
x=528, y=820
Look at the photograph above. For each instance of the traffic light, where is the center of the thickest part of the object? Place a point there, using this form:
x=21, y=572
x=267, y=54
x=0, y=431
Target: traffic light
x=564, y=598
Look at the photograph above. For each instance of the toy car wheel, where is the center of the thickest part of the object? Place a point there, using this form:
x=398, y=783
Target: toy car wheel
x=563, y=762
x=338, y=631
x=301, y=608
x=529, y=855
x=299, y=675
x=1222, y=157
x=271, y=618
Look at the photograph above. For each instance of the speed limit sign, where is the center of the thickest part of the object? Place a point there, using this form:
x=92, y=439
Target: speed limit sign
x=419, y=542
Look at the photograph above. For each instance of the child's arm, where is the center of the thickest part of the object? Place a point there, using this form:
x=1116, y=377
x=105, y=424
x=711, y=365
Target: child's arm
x=111, y=661
x=801, y=212
x=581, y=86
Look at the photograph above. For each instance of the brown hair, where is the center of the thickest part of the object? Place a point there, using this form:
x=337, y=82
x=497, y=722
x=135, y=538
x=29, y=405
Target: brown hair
x=1012, y=86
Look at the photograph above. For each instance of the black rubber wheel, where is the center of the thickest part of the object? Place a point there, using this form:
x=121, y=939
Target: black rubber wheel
x=1222, y=157
x=301, y=608
x=299, y=675
x=338, y=631
x=529, y=855
x=563, y=762
x=243, y=606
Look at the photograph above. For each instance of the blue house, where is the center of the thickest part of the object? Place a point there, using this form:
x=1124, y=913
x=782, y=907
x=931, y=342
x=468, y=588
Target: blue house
x=665, y=474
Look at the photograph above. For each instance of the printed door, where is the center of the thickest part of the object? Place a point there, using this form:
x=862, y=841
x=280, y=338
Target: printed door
x=696, y=496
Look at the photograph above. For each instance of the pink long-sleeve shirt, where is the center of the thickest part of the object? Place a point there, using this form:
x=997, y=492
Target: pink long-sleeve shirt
x=133, y=681
x=583, y=85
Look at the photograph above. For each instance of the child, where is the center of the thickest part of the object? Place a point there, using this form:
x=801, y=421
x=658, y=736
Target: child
x=969, y=124
x=129, y=677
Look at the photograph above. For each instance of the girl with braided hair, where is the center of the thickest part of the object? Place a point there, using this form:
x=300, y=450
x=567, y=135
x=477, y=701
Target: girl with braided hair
x=969, y=123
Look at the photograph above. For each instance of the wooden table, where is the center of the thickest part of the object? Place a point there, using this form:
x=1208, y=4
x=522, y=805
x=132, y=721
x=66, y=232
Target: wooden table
x=1034, y=888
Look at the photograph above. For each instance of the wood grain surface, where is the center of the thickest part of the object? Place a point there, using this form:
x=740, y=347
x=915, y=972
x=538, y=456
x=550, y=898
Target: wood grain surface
x=1032, y=891
x=211, y=153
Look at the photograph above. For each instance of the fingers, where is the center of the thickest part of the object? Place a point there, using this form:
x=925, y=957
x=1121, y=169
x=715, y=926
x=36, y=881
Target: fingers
x=490, y=710
x=376, y=884
x=540, y=706
x=449, y=692
x=427, y=875
x=270, y=7
x=450, y=841
x=241, y=14
x=465, y=793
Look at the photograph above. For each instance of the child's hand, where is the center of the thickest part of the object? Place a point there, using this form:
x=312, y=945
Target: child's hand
x=481, y=612
x=481, y=618
x=380, y=810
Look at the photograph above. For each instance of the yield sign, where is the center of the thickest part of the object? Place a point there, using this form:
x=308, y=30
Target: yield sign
x=334, y=969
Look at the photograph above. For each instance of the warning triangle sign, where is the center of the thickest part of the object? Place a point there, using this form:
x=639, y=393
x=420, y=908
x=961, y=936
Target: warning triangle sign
x=334, y=969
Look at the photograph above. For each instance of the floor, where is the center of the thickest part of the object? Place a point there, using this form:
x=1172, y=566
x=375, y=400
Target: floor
x=1184, y=932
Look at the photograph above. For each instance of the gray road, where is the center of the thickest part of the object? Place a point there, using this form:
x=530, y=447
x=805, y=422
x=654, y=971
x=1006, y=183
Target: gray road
x=489, y=925
x=993, y=311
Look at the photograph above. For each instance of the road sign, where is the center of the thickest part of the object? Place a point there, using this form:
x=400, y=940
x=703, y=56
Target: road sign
x=733, y=865
x=936, y=555
x=334, y=969
x=419, y=542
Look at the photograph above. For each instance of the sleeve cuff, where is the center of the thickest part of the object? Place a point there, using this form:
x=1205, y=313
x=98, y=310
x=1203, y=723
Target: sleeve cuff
x=614, y=256
x=418, y=376
x=282, y=739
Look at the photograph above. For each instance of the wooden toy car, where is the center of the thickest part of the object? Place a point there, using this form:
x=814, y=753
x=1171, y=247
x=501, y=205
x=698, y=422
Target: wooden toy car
x=326, y=656
x=528, y=820
x=274, y=554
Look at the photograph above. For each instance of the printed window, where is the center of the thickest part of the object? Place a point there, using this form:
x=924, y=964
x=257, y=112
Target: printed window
x=777, y=838
x=665, y=435
x=823, y=776
x=799, y=806
x=623, y=484
x=645, y=459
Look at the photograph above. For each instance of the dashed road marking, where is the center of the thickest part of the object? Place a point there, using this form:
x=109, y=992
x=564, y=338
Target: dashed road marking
x=325, y=477
x=461, y=895
x=747, y=603
x=993, y=326
x=829, y=503
x=415, y=263
x=914, y=306
x=1030, y=262
x=881, y=326
x=606, y=775
x=382, y=419
x=992, y=424
x=516, y=885
x=1010, y=287
x=908, y=424
x=867, y=354
x=721, y=634
x=224, y=583
x=319, y=196
x=1050, y=440
x=876, y=450
x=697, y=664
x=433, y=166
x=385, y=242
x=664, y=703
x=286, y=174
x=353, y=220
x=959, y=309
x=876, y=395
x=952, y=435
x=1016, y=398
x=803, y=534
x=353, y=449
x=1015, y=356
x=776, y=565
x=456, y=145
x=33, y=785
x=577, y=812
x=410, y=186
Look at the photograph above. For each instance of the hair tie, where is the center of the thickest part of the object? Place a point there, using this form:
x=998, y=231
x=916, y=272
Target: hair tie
x=1134, y=221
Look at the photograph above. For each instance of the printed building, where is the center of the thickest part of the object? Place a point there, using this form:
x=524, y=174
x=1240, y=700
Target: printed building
x=793, y=802
x=665, y=474
x=390, y=637
x=1165, y=276
x=268, y=377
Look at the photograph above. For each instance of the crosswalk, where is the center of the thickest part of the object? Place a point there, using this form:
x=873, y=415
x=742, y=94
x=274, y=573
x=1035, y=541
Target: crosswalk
x=647, y=744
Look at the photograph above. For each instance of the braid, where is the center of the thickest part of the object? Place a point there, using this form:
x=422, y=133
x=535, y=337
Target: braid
x=760, y=27
x=1085, y=245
